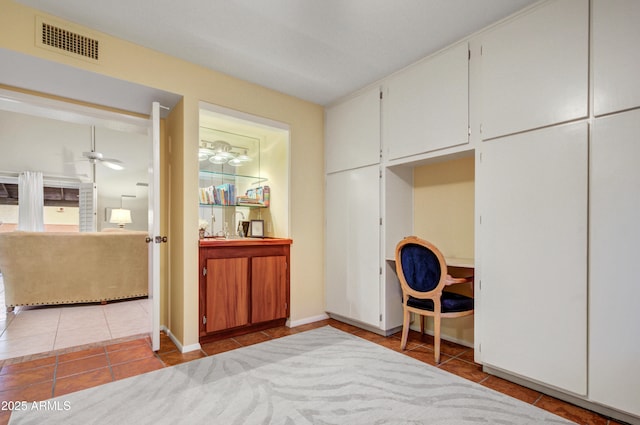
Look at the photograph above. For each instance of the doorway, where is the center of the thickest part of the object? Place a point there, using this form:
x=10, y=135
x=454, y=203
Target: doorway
x=59, y=139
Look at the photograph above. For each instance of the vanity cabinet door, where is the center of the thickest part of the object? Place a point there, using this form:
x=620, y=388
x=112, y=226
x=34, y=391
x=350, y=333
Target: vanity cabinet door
x=535, y=69
x=268, y=288
x=532, y=270
x=227, y=299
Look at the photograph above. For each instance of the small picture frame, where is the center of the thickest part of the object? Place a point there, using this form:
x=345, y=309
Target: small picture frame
x=245, y=227
x=257, y=228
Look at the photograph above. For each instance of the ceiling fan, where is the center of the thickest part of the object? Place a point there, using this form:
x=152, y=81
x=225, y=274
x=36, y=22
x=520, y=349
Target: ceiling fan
x=97, y=157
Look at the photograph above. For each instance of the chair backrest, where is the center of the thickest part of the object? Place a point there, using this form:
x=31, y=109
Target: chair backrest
x=419, y=264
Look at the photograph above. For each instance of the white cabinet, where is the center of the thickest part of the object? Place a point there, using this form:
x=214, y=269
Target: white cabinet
x=352, y=132
x=352, y=278
x=426, y=106
x=535, y=69
x=531, y=265
x=614, y=316
x=616, y=57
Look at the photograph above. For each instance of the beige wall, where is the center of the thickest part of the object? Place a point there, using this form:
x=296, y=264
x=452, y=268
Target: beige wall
x=444, y=215
x=444, y=205
x=126, y=61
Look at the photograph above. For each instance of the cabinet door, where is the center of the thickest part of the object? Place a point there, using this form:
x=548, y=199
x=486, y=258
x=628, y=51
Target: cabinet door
x=614, y=316
x=227, y=293
x=352, y=285
x=426, y=107
x=616, y=57
x=268, y=288
x=535, y=69
x=532, y=198
x=352, y=132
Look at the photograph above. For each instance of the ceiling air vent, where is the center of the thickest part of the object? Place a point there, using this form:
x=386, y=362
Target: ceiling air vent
x=57, y=37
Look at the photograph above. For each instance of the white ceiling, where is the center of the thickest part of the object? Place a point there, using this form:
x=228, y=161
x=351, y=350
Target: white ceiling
x=317, y=50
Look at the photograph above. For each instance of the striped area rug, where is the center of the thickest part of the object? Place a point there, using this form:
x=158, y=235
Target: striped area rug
x=322, y=376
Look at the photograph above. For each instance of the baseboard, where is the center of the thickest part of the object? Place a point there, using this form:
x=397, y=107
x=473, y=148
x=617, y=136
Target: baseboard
x=573, y=399
x=364, y=326
x=183, y=349
x=306, y=320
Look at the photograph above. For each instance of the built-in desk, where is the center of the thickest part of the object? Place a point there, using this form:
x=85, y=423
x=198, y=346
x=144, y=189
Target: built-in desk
x=468, y=263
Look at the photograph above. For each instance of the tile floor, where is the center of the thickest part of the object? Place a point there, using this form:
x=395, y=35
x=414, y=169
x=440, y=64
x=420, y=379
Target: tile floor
x=32, y=330
x=65, y=371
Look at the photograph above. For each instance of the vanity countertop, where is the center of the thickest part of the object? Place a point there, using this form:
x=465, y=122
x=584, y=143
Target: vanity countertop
x=221, y=242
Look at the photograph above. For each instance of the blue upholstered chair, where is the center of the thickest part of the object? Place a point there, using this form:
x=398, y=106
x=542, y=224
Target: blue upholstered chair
x=423, y=276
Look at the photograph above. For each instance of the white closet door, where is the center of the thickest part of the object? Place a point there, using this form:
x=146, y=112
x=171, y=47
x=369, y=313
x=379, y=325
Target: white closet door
x=532, y=196
x=535, y=69
x=616, y=57
x=614, y=325
x=426, y=106
x=353, y=244
x=352, y=132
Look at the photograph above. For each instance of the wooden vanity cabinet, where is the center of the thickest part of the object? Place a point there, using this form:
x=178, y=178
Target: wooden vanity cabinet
x=244, y=286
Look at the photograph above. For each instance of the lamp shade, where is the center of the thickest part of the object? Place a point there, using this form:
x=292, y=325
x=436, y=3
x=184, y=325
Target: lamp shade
x=120, y=216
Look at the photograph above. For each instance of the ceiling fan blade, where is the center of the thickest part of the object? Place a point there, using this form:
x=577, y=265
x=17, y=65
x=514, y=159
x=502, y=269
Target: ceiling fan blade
x=114, y=164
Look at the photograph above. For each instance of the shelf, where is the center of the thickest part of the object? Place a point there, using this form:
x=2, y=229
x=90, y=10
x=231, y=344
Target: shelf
x=235, y=206
x=214, y=174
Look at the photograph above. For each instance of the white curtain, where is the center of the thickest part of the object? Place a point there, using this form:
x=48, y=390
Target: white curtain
x=31, y=201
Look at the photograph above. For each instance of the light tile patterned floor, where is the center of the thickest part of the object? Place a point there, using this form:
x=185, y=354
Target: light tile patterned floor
x=33, y=330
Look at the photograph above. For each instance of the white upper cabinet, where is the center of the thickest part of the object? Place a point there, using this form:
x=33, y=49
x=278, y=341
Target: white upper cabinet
x=532, y=199
x=616, y=56
x=614, y=345
x=535, y=69
x=352, y=132
x=426, y=106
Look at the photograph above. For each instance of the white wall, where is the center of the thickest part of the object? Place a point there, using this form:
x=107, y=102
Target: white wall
x=55, y=147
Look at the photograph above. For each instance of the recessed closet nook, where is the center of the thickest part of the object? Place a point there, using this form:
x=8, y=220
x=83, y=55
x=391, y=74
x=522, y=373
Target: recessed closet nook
x=516, y=147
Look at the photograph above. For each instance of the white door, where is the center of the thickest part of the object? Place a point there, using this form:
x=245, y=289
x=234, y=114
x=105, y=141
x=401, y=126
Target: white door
x=532, y=195
x=614, y=317
x=426, y=106
x=353, y=244
x=154, y=226
x=352, y=132
x=616, y=57
x=535, y=69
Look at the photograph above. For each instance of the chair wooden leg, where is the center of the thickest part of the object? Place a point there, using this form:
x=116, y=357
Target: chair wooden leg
x=422, y=319
x=405, y=329
x=436, y=337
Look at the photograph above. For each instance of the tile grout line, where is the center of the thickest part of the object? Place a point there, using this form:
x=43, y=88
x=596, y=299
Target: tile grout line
x=537, y=399
x=106, y=320
x=55, y=336
x=55, y=376
x=109, y=365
